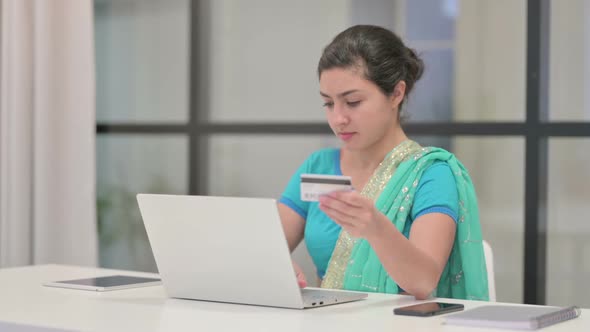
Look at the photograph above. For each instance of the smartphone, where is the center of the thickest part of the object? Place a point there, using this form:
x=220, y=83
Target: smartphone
x=428, y=309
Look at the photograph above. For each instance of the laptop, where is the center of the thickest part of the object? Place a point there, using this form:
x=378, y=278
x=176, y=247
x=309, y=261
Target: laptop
x=227, y=249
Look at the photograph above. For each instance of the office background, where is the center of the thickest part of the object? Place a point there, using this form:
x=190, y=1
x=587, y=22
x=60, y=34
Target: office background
x=221, y=97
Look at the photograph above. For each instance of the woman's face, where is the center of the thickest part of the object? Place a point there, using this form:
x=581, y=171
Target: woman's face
x=358, y=112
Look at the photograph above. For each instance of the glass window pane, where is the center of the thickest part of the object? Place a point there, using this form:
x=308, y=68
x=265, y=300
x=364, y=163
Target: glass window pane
x=377, y=12
x=261, y=165
x=475, y=68
x=500, y=191
x=569, y=61
x=264, y=57
x=142, y=60
x=496, y=165
x=490, y=61
x=431, y=20
x=127, y=165
x=432, y=98
x=568, y=249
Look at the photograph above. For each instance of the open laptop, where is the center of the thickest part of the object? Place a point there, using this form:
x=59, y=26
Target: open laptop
x=227, y=249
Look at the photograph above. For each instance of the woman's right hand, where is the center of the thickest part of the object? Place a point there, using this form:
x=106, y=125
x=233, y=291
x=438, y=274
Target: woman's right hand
x=300, y=275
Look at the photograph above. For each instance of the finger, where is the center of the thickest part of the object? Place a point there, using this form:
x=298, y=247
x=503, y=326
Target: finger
x=338, y=205
x=301, y=280
x=351, y=206
x=302, y=283
x=351, y=198
x=337, y=209
x=338, y=217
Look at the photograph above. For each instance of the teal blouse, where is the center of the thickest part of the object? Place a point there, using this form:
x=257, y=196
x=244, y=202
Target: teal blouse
x=436, y=192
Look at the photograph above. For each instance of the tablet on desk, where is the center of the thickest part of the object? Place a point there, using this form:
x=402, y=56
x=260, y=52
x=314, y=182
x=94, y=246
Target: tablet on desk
x=107, y=283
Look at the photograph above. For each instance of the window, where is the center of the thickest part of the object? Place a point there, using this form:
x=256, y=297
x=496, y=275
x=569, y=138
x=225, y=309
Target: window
x=225, y=88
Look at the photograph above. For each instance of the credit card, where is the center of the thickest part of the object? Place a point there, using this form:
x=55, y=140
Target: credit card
x=315, y=185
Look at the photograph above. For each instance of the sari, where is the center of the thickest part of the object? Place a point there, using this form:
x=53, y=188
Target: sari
x=355, y=266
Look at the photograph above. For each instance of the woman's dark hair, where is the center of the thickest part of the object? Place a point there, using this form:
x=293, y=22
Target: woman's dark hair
x=380, y=53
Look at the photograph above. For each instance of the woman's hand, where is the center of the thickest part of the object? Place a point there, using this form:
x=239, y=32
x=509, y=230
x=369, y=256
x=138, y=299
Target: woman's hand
x=356, y=214
x=301, y=280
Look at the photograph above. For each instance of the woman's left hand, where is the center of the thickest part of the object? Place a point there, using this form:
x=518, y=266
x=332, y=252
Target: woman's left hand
x=356, y=214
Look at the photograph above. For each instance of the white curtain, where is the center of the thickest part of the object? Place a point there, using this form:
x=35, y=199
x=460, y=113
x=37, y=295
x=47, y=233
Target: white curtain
x=47, y=133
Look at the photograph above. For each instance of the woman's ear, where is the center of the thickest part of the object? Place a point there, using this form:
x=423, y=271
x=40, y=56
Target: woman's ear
x=399, y=92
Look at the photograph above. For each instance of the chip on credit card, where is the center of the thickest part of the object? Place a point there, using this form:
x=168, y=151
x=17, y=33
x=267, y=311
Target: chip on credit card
x=315, y=185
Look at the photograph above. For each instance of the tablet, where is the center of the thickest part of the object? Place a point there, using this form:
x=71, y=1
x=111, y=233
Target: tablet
x=107, y=283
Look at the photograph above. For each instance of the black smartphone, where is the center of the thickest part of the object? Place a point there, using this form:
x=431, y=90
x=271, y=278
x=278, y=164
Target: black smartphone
x=428, y=309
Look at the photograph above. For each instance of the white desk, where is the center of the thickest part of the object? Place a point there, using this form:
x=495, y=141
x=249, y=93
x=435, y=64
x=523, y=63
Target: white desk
x=23, y=300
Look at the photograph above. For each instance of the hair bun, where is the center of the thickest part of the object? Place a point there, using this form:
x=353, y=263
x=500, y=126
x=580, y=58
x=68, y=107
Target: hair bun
x=414, y=67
